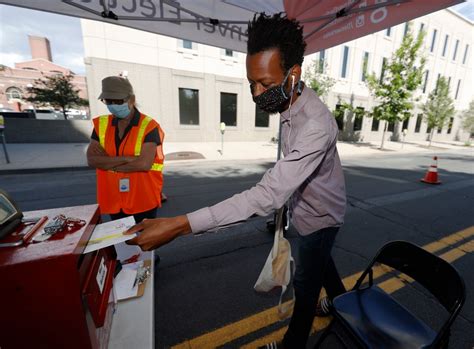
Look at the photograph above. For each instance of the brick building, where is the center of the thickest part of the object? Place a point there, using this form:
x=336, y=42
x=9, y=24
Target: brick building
x=15, y=81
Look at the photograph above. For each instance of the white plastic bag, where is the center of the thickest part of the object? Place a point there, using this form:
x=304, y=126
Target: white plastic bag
x=278, y=268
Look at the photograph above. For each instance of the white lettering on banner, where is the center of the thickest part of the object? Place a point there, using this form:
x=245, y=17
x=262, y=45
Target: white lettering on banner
x=376, y=16
x=348, y=26
x=158, y=9
x=379, y=14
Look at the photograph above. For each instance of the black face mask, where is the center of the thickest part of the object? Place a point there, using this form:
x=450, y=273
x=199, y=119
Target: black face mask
x=273, y=99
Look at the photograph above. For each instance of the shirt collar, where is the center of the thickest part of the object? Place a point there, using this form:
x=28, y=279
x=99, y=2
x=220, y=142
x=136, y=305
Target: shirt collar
x=134, y=122
x=295, y=107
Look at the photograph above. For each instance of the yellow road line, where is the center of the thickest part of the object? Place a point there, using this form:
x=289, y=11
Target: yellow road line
x=233, y=331
x=456, y=253
x=267, y=317
x=319, y=323
x=449, y=240
x=391, y=285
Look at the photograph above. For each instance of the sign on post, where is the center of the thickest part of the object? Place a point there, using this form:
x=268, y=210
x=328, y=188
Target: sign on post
x=2, y=134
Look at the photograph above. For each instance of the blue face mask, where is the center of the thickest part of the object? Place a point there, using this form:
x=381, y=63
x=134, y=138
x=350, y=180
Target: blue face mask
x=120, y=111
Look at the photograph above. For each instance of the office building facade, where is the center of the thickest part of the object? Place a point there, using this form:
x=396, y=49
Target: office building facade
x=191, y=88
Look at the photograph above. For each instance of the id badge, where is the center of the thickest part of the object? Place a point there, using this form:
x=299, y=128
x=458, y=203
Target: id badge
x=124, y=185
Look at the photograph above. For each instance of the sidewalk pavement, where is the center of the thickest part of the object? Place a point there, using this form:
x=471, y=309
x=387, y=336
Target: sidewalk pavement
x=53, y=156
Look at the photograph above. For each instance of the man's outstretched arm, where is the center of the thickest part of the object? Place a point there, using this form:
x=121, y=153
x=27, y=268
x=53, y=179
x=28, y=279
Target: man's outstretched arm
x=153, y=233
x=269, y=194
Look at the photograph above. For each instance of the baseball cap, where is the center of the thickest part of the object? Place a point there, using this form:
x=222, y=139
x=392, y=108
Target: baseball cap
x=116, y=87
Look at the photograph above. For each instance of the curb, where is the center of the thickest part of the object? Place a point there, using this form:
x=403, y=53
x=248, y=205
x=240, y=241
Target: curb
x=43, y=170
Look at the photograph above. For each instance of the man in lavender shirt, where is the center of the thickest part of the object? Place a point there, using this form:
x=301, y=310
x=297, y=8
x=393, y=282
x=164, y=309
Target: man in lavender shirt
x=309, y=177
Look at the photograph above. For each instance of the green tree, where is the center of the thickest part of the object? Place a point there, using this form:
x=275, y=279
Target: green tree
x=468, y=120
x=400, y=77
x=439, y=107
x=57, y=91
x=317, y=80
x=358, y=112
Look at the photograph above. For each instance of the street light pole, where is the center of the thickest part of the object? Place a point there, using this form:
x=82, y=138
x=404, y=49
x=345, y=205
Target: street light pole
x=2, y=134
x=222, y=137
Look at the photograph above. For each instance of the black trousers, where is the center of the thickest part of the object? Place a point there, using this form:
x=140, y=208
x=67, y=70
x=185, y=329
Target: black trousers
x=138, y=216
x=315, y=269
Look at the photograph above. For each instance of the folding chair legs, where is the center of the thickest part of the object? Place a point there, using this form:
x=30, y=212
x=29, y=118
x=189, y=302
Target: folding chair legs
x=323, y=336
x=330, y=330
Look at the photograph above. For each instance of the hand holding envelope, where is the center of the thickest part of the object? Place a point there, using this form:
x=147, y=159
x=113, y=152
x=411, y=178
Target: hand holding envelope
x=110, y=233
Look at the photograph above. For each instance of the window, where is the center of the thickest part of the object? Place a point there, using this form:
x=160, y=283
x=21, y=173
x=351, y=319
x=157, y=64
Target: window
x=437, y=82
x=391, y=126
x=345, y=58
x=440, y=130
x=322, y=61
x=406, y=28
x=422, y=27
x=419, y=119
x=13, y=93
x=450, y=125
x=262, y=119
x=375, y=124
x=433, y=40
x=188, y=106
x=388, y=32
x=339, y=116
x=449, y=82
x=382, y=72
x=455, y=50
x=405, y=124
x=465, y=54
x=365, y=66
x=425, y=84
x=428, y=129
x=229, y=53
x=188, y=44
x=445, y=46
x=229, y=108
x=359, y=118
x=457, y=89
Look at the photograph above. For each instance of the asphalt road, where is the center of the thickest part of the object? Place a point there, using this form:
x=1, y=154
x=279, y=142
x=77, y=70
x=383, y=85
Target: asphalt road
x=204, y=289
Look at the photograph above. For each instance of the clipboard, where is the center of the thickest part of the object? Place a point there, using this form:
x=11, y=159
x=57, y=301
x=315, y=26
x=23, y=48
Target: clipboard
x=141, y=287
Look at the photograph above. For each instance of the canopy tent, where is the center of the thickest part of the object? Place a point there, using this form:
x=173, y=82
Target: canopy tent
x=223, y=23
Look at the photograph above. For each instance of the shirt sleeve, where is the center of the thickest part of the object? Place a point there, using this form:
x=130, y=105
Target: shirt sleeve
x=94, y=136
x=153, y=137
x=275, y=188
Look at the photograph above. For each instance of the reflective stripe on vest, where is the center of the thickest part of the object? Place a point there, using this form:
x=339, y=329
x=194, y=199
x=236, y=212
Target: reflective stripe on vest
x=156, y=167
x=141, y=133
x=104, y=122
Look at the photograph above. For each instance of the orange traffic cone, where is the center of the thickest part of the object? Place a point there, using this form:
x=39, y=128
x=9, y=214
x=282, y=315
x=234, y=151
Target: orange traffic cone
x=431, y=176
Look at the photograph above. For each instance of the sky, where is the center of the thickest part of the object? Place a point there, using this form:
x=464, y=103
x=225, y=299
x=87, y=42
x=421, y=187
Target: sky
x=64, y=34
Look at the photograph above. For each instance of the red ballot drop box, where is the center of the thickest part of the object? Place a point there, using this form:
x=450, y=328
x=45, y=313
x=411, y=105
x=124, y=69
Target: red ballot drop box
x=52, y=295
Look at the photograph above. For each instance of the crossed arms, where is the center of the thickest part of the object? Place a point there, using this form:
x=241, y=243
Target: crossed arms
x=98, y=158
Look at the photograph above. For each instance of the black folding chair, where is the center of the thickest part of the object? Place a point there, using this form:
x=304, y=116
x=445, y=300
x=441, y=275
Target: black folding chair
x=370, y=318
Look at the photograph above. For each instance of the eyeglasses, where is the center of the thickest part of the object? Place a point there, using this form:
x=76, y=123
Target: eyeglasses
x=114, y=101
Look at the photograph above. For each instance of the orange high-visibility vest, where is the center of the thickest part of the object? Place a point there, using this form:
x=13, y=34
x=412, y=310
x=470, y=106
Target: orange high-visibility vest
x=145, y=186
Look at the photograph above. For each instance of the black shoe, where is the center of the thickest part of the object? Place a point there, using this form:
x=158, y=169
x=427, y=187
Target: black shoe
x=272, y=345
x=323, y=308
